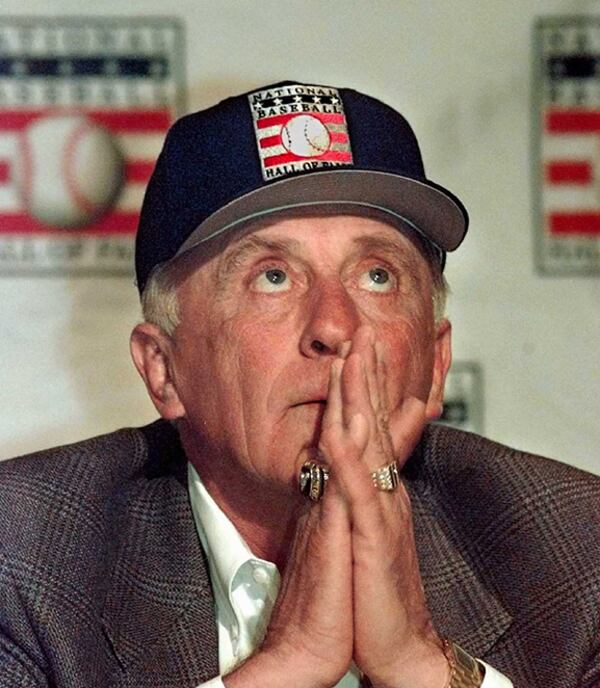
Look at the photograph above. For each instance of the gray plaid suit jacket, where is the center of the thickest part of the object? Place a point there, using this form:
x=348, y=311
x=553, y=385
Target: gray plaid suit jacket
x=103, y=581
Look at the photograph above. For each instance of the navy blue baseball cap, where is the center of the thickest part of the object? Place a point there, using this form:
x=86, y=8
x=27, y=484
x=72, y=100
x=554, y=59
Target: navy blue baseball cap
x=288, y=145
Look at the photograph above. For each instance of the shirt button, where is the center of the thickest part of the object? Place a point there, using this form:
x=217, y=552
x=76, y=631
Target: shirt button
x=260, y=575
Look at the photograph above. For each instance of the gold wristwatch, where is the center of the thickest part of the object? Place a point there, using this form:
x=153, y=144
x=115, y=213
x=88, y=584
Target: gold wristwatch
x=465, y=671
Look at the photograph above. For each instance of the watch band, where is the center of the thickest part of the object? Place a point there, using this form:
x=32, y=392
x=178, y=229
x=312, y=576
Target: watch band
x=465, y=671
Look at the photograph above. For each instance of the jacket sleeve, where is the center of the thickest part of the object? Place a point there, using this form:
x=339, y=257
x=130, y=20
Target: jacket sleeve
x=17, y=669
x=591, y=676
x=21, y=655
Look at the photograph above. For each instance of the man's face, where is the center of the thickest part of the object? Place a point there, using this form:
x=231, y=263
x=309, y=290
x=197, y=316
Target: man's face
x=262, y=321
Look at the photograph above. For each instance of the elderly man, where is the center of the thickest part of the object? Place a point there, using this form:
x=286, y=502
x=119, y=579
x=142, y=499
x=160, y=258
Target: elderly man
x=292, y=520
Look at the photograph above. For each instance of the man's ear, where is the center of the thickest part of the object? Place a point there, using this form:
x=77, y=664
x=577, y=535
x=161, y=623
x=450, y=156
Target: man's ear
x=151, y=351
x=441, y=364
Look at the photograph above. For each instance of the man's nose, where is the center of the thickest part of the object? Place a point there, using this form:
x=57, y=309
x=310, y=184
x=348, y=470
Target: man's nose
x=332, y=318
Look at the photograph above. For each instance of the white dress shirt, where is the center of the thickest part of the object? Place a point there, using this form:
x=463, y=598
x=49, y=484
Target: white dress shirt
x=246, y=587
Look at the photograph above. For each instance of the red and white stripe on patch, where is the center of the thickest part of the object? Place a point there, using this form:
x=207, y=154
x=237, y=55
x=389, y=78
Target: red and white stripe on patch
x=571, y=160
x=299, y=128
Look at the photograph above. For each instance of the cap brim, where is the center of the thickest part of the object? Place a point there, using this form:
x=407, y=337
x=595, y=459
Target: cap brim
x=430, y=209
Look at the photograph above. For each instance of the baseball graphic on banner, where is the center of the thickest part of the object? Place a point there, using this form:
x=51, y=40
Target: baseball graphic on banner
x=305, y=136
x=71, y=170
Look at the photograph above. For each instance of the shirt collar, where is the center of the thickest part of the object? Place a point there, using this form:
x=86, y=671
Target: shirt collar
x=226, y=549
x=224, y=546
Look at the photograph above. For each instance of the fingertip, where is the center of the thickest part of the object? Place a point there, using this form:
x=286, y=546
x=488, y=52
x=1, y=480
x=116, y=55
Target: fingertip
x=344, y=349
x=336, y=368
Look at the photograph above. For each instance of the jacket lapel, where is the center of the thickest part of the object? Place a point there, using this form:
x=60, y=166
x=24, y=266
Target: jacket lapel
x=159, y=609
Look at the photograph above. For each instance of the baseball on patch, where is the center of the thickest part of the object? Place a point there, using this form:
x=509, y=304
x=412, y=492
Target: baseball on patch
x=305, y=136
x=70, y=170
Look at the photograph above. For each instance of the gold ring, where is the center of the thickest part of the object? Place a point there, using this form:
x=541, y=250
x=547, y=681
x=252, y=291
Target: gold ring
x=386, y=478
x=313, y=479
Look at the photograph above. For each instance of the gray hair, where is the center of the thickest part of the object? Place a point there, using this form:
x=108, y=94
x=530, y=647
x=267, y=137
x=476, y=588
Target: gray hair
x=160, y=304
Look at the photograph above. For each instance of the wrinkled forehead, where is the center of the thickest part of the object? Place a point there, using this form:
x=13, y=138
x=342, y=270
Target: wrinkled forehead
x=294, y=228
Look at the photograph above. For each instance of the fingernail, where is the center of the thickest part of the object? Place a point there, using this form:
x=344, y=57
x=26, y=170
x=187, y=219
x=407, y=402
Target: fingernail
x=345, y=349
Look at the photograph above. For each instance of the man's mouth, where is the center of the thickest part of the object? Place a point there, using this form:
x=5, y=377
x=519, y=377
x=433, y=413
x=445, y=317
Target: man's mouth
x=316, y=404
x=309, y=415
x=312, y=406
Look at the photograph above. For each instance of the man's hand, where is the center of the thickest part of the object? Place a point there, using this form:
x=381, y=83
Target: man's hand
x=395, y=643
x=309, y=640
x=352, y=588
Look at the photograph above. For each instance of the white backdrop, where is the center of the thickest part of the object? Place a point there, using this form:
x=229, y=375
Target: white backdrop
x=461, y=73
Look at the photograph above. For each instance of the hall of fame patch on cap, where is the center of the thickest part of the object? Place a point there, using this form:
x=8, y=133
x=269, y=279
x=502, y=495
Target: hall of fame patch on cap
x=299, y=128
x=85, y=104
x=463, y=397
x=566, y=157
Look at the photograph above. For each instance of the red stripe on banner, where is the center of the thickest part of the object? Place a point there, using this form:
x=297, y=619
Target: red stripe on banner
x=115, y=223
x=330, y=156
x=568, y=172
x=115, y=120
x=18, y=120
x=325, y=117
x=584, y=224
x=138, y=171
x=4, y=172
x=573, y=121
x=132, y=120
x=269, y=141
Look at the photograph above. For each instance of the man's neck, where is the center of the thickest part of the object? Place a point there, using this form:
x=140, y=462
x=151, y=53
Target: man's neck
x=263, y=515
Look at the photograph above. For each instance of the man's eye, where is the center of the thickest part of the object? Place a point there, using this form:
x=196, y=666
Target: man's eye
x=272, y=280
x=377, y=279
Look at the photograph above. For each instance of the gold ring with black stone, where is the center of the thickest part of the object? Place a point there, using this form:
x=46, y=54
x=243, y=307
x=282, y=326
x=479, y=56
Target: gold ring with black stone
x=313, y=479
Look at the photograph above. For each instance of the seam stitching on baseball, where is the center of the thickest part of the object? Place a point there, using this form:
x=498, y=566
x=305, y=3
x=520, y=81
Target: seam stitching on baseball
x=77, y=195
x=322, y=151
